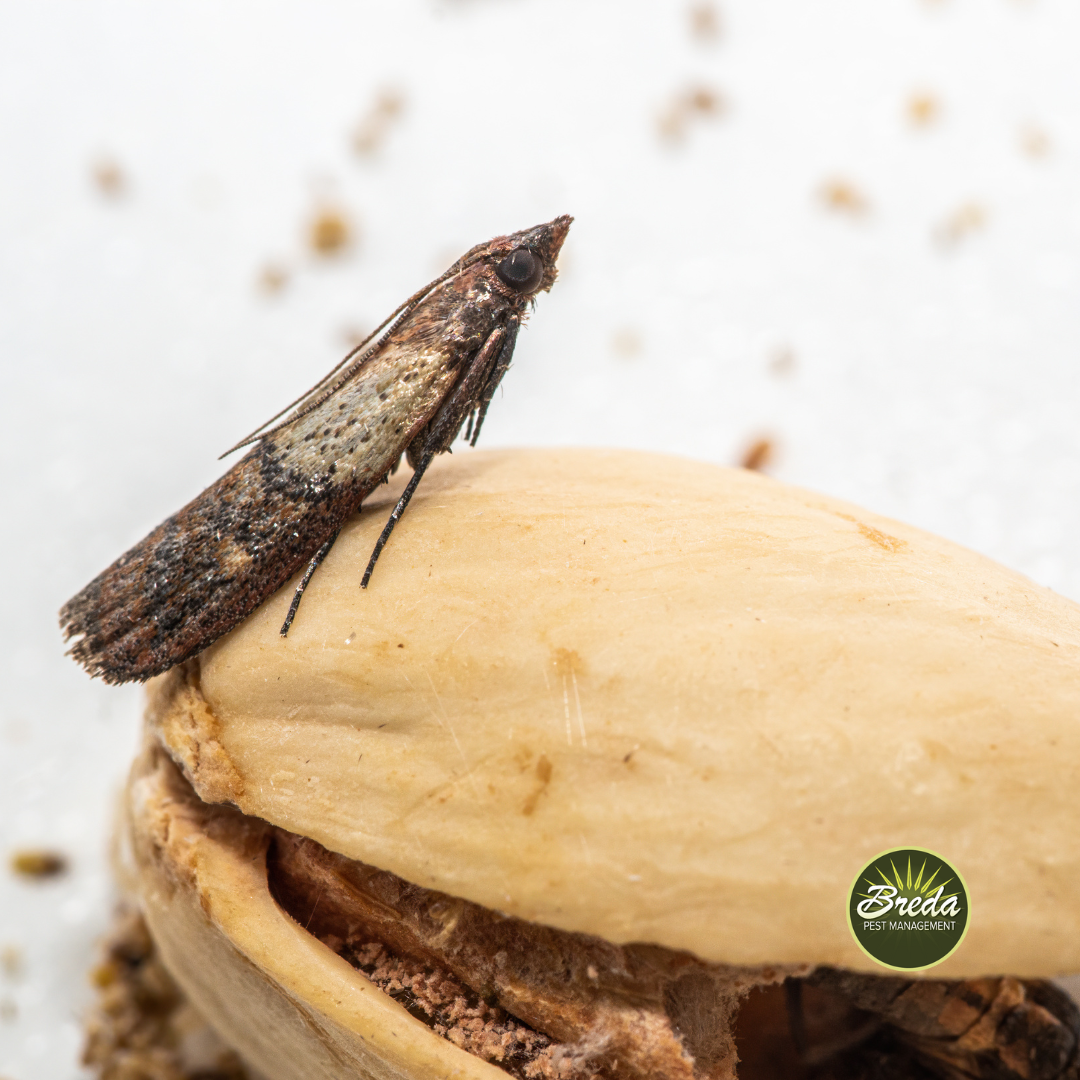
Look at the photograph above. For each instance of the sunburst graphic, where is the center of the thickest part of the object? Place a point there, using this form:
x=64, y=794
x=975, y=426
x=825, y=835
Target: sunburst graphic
x=908, y=909
x=910, y=888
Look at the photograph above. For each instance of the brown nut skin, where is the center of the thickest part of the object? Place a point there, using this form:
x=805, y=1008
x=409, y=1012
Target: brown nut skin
x=656, y=700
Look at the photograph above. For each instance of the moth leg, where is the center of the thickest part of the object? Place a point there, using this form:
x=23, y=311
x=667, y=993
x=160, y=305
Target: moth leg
x=312, y=567
x=444, y=426
x=506, y=354
x=406, y=495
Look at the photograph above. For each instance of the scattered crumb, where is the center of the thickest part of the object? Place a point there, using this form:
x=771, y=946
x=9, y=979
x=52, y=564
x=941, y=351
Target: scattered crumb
x=329, y=232
x=455, y=1012
x=759, y=454
x=965, y=220
x=38, y=864
x=273, y=277
x=923, y=109
x=11, y=961
x=694, y=103
x=9, y=1011
x=782, y=360
x=372, y=130
x=1034, y=141
x=704, y=22
x=843, y=197
x=109, y=178
x=626, y=342
x=142, y=1026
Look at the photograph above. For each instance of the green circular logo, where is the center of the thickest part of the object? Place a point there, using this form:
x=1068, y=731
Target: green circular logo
x=908, y=909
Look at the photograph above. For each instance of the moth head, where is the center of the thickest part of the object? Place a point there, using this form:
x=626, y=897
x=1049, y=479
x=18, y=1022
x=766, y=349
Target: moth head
x=525, y=261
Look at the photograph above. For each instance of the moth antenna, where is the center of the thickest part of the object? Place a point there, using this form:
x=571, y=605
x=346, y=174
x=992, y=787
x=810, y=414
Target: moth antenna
x=309, y=401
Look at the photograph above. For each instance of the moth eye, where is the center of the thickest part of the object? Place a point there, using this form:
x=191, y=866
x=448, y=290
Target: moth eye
x=521, y=270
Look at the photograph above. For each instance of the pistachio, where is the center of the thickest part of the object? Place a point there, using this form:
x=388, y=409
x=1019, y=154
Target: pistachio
x=619, y=696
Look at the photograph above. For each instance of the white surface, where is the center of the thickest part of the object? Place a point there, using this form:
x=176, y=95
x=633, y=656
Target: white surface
x=938, y=385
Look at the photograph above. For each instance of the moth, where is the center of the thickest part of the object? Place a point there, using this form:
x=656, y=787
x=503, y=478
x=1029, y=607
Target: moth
x=430, y=368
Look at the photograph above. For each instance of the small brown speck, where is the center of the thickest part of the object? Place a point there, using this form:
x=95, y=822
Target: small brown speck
x=9, y=1011
x=843, y=197
x=694, y=103
x=11, y=961
x=371, y=132
x=965, y=220
x=543, y=776
x=782, y=360
x=330, y=232
x=401, y=645
x=759, y=454
x=923, y=109
x=1034, y=141
x=273, y=277
x=38, y=864
x=704, y=22
x=109, y=178
x=626, y=343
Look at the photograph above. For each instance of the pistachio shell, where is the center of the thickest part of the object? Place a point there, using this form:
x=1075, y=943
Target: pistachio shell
x=284, y=1000
x=655, y=700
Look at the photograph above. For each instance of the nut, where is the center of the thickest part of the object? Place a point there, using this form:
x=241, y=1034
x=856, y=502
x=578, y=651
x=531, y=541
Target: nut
x=617, y=695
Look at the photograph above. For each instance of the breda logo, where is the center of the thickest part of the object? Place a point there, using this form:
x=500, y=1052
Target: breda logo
x=908, y=909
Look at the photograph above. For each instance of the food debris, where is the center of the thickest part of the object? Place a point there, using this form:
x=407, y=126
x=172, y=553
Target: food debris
x=844, y=197
x=759, y=454
x=372, y=130
x=694, y=103
x=1034, y=141
x=782, y=360
x=109, y=178
x=965, y=220
x=141, y=1026
x=273, y=277
x=626, y=343
x=704, y=22
x=38, y=863
x=330, y=232
x=9, y=1011
x=923, y=109
x=11, y=961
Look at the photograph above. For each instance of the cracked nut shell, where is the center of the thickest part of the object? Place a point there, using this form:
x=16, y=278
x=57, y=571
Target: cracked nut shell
x=635, y=697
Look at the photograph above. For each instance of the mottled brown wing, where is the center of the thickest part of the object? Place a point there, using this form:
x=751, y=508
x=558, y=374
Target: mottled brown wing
x=205, y=568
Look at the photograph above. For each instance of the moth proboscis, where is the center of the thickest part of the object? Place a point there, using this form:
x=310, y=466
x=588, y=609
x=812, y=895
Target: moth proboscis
x=429, y=369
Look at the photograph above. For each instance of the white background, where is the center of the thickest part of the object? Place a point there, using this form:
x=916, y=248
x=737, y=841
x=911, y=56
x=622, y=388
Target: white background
x=932, y=381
